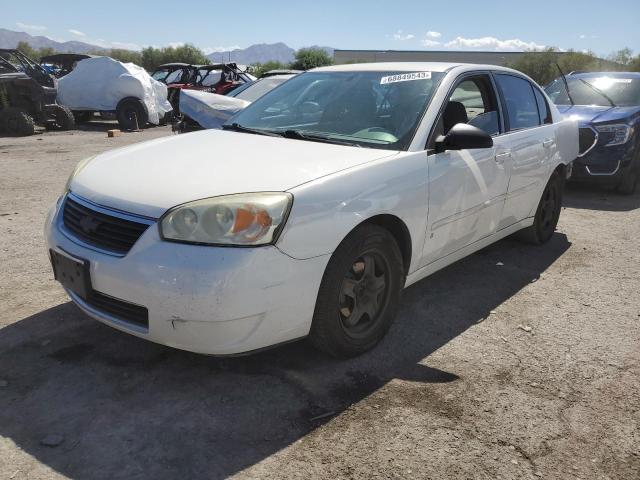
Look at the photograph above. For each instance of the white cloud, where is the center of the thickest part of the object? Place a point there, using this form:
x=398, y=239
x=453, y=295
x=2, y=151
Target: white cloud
x=432, y=34
x=430, y=43
x=77, y=32
x=492, y=43
x=108, y=44
x=35, y=28
x=401, y=36
x=582, y=37
x=210, y=50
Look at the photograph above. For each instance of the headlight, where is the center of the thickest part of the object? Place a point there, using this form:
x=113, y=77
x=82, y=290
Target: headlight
x=614, y=134
x=244, y=219
x=81, y=164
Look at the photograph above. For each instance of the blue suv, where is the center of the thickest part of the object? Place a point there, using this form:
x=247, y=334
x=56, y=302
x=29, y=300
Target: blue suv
x=607, y=106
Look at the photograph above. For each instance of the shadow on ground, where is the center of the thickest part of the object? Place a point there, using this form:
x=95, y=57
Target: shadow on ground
x=597, y=197
x=128, y=408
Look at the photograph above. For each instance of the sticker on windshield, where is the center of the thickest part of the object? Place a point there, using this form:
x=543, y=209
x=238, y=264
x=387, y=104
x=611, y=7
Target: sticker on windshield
x=405, y=77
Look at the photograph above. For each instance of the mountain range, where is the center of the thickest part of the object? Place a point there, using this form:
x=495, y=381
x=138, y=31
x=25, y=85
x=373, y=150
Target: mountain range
x=259, y=53
x=9, y=39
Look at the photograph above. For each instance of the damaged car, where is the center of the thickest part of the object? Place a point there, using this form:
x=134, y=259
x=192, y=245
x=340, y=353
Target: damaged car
x=313, y=208
x=209, y=110
x=28, y=97
x=607, y=105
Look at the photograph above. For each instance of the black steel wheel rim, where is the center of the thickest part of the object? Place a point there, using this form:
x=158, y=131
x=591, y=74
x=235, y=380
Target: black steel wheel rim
x=364, y=294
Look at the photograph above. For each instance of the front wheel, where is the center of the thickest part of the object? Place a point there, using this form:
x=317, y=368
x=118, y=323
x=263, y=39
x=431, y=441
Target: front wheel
x=359, y=294
x=131, y=114
x=547, y=214
x=628, y=184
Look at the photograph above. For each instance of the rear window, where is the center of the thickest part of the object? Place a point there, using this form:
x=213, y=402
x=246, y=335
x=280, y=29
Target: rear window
x=522, y=108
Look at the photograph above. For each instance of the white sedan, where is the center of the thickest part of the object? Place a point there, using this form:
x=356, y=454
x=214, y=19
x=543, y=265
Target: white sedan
x=313, y=209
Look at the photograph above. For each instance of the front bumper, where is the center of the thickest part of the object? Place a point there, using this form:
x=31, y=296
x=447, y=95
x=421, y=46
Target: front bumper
x=211, y=300
x=606, y=165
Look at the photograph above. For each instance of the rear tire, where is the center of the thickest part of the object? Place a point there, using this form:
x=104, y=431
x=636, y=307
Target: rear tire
x=64, y=119
x=17, y=122
x=131, y=111
x=360, y=293
x=547, y=214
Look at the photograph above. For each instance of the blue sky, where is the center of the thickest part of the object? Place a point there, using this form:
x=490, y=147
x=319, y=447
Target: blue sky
x=398, y=24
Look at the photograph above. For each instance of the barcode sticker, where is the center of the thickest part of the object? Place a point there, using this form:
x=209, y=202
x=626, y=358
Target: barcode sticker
x=405, y=77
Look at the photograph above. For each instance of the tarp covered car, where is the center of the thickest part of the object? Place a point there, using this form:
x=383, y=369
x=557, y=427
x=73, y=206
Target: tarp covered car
x=106, y=85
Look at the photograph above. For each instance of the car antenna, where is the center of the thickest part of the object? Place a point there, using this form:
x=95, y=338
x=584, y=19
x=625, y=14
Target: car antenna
x=566, y=84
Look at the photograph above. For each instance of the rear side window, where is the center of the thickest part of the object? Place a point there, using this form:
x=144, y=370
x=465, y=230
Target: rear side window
x=522, y=108
x=543, y=108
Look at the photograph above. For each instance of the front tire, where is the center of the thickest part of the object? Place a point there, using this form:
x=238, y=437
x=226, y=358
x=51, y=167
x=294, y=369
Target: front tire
x=547, y=214
x=359, y=294
x=131, y=114
x=628, y=184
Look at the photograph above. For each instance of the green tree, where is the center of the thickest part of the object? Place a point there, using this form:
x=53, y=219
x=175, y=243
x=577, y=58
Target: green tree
x=307, y=58
x=623, y=56
x=260, y=69
x=152, y=57
x=541, y=65
x=28, y=50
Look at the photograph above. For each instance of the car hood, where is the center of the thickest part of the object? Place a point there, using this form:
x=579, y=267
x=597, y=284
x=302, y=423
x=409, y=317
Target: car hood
x=150, y=177
x=586, y=114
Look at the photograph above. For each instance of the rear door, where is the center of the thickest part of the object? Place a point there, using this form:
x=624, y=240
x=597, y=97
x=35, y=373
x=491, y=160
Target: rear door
x=531, y=145
x=466, y=187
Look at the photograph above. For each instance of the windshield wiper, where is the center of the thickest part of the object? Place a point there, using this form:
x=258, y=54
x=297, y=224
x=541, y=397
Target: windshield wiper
x=236, y=127
x=298, y=135
x=597, y=90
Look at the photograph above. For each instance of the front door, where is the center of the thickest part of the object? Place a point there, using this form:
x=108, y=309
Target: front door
x=467, y=188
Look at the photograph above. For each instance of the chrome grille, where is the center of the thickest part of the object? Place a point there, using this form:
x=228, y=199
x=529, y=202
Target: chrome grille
x=587, y=140
x=99, y=229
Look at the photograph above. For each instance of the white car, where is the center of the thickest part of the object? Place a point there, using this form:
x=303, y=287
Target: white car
x=210, y=110
x=313, y=209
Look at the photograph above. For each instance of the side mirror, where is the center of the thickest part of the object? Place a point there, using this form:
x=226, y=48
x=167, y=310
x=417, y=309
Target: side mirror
x=463, y=136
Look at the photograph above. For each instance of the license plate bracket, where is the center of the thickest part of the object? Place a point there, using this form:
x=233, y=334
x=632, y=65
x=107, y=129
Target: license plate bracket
x=71, y=272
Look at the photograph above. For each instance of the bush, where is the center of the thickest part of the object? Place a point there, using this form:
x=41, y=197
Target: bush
x=308, y=58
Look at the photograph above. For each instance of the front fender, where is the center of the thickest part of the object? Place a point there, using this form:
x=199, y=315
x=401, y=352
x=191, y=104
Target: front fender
x=325, y=210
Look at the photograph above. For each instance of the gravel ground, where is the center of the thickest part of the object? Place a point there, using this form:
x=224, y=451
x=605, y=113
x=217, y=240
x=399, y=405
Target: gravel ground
x=517, y=362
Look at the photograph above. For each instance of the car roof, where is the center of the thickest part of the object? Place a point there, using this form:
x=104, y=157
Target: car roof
x=409, y=67
x=606, y=74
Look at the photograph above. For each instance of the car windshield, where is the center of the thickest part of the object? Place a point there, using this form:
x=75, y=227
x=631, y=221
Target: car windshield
x=598, y=90
x=254, y=90
x=209, y=78
x=367, y=109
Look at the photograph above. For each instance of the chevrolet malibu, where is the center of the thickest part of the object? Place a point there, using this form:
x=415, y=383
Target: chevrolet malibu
x=313, y=208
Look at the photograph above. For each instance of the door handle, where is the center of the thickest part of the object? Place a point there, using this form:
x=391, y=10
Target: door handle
x=547, y=143
x=500, y=157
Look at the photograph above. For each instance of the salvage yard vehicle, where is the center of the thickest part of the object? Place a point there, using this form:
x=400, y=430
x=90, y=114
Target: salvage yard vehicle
x=607, y=105
x=108, y=86
x=60, y=64
x=209, y=110
x=320, y=202
x=28, y=96
x=176, y=76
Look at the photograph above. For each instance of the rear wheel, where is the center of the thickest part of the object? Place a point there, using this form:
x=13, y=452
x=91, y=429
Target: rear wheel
x=17, y=122
x=131, y=114
x=63, y=117
x=547, y=214
x=359, y=294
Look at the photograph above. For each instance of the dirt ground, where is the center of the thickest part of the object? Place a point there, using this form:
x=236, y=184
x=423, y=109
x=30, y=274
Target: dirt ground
x=518, y=362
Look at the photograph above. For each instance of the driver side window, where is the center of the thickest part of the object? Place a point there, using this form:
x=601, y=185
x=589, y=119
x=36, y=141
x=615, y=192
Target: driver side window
x=474, y=102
